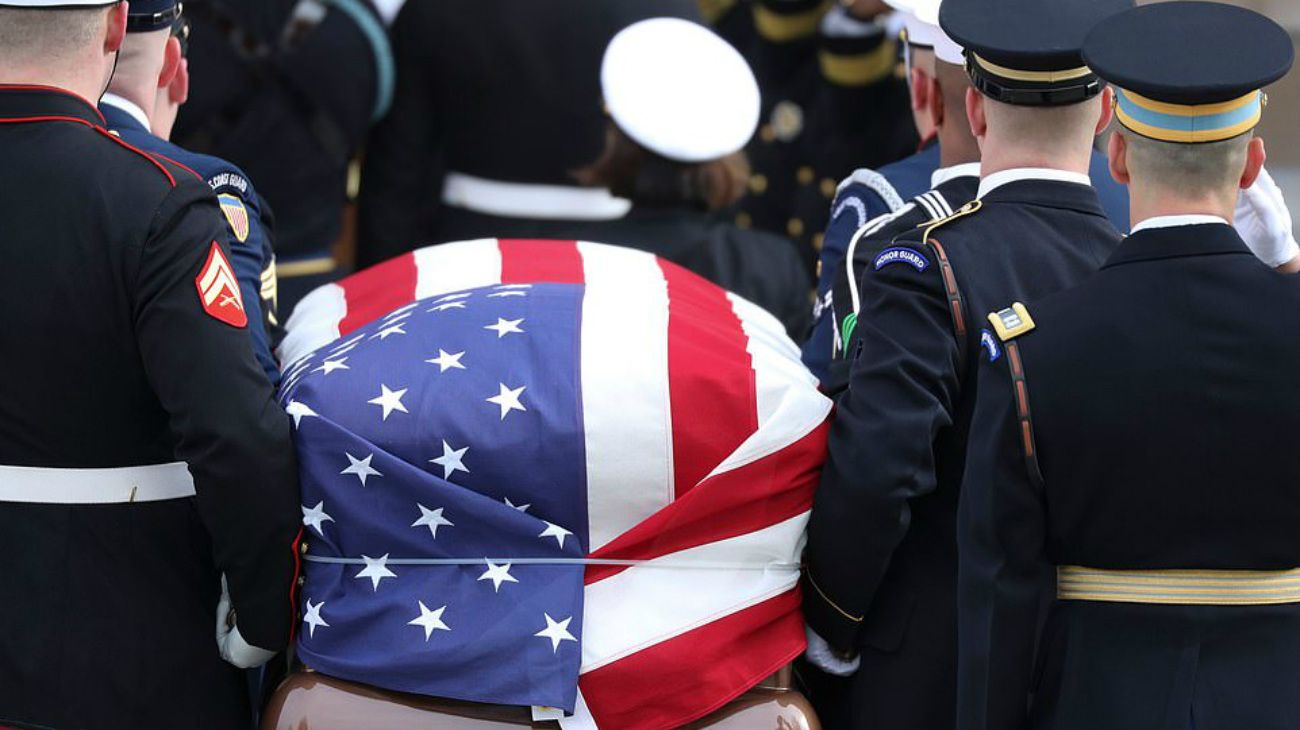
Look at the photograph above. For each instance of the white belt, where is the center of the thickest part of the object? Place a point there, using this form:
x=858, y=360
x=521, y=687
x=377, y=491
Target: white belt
x=40, y=485
x=524, y=200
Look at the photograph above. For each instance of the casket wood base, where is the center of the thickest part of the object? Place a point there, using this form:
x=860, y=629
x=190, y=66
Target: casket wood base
x=312, y=701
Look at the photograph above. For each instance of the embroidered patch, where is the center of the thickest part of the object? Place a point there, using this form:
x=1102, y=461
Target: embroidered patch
x=990, y=344
x=850, y=323
x=236, y=215
x=219, y=290
x=898, y=255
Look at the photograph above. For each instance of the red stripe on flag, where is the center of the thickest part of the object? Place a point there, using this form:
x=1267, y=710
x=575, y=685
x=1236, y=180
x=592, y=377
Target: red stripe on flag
x=711, y=386
x=370, y=294
x=689, y=676
x=529, y=261
x=737, y=502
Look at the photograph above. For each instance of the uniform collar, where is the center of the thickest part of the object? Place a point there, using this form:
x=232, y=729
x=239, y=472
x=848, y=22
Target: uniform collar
x=1004, y=177
x=944, y=174
x=1173, y=221
x=1152, y=243
x=45, y=103
x=127, y=107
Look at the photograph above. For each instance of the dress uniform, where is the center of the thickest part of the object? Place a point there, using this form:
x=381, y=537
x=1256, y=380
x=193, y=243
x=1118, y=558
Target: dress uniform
x=868, y=194
x=1134, y=436
x=881, y=559
x=498, y=102
x=287, y=90
x=251, y=224
x=144, y=456
x=832, y=100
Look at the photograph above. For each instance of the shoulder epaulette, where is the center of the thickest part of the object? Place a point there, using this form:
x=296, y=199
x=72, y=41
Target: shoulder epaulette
x=875, y=182
x=1011, y=322
x=967, y=209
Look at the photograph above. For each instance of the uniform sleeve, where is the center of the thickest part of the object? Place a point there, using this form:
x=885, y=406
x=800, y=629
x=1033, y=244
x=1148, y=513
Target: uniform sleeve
x=253, y=260
x=402, y=178
x=1001, y=542
x=228, y=428
x=903, y=385
x=853, y=207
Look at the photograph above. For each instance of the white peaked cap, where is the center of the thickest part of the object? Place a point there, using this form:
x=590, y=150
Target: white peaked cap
x=924, y=16
x=55, y=3
x=679, y=90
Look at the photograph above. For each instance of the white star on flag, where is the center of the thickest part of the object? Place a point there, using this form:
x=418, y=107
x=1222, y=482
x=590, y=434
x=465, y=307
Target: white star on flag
x=431, y=518
x=447, y=361
x=453, y=297
x=504, y=327
x=520, y=507
x=430, y=621
x=361, y=467
x=451, y=461
x=498, y=574
x=330, y=366
x=313, y=618
x=389, y=400
x=446, y=306
x=376, y=570
x=556, y=631
x=402, y=310
x=391, y=330
x=315, y=517
x=500, y=294
x=299, y=411
x=508, y=399
x=499, y=287
x=555, y=531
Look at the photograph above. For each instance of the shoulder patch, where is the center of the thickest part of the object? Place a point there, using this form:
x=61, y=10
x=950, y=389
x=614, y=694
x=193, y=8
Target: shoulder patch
x=901, y=255
x=1012, y=322
x=229, y=180
x=236, y=215
x=875, y=182
x=990, y=345
x=219, y=290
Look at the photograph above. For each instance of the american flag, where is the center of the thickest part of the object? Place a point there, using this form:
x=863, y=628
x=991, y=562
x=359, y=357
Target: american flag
x=582, y=482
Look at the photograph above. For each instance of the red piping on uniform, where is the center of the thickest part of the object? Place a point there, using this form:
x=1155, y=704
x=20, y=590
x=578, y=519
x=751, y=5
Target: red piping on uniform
x=56, y=90
x=181, y=165
x=51, y=118
x=293, y=585
x=138, y=151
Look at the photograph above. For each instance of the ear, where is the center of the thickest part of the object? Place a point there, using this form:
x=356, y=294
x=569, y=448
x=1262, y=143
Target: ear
x=1117, y=152
x=979, y=125
x=116, y=34
x=919, y=89
x=1256, y=155
x=171, y=62
x=178, y=92
x=936, y=104
x=1107, y=110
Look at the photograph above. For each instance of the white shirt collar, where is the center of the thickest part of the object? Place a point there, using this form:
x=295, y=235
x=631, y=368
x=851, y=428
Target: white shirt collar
x=944, y=174
x=129, y=107
x=1173, y=221
x=998, y=179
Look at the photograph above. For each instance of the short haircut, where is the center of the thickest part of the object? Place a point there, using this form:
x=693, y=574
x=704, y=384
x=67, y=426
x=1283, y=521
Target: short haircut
x=953, y=83
x=1041, y=128
x=30, y=36
x=1190, y=169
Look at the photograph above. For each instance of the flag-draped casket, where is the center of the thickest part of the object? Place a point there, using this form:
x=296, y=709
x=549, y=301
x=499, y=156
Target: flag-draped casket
x=554, y=474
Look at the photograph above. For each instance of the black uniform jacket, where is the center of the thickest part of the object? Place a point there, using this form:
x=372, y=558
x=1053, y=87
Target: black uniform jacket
x=882, y=560
x=110, y=360
x=507, y=90
x=933, y=205
x=759, y=266
x=1165, y=402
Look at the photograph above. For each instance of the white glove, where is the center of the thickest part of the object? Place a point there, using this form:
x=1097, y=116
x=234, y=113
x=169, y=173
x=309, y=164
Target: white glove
x=230, y=642
x=1264, y=222
x=823, y=657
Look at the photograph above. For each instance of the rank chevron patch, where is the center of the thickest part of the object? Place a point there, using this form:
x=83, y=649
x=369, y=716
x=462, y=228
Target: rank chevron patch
x=219, y=290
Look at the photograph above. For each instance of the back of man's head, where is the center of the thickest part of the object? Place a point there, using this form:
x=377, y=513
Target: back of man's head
x=956, y=143
x=1038, y=136
x=41, y=36
x=140, y=67
x=1209, y=172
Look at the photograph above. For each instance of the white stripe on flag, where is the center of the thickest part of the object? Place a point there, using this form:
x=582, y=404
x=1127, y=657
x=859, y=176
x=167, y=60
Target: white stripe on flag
x=650, y=603
x=450, y=267
x=314, y=322
x=625, y=403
